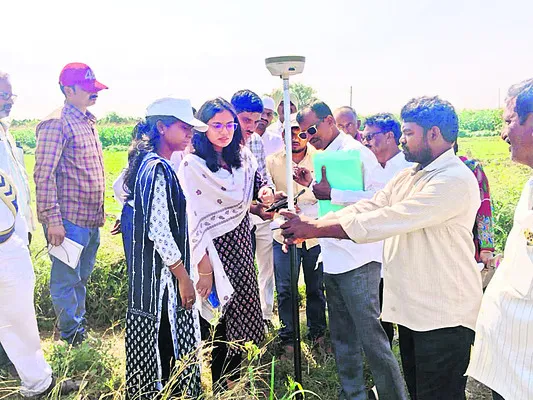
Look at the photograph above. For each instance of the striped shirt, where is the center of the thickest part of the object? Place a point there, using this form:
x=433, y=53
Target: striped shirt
x=69, y=169
x=502, y=357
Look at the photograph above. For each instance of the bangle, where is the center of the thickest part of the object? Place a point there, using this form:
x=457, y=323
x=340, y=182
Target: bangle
x=205, y=274
x=176, y=265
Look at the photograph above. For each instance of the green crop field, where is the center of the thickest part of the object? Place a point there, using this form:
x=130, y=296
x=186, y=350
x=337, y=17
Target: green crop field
x=101, y=362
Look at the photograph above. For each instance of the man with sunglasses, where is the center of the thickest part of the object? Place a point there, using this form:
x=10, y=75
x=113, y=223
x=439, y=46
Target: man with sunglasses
x=351, y=272
x=307, y=252
x=347, y=121
x=70, y=188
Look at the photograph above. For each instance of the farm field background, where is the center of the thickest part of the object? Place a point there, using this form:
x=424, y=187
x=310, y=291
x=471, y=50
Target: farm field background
x=101, y=364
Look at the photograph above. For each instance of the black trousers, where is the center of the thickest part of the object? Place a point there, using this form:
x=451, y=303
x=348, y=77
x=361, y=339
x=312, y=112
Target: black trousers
x=223, y=366
x=434, y=362
x=388, y=327
x=496, y=396
x=165, y=342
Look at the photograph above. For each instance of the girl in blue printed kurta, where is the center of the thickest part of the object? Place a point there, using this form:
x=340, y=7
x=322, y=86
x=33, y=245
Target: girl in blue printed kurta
x=162, y=330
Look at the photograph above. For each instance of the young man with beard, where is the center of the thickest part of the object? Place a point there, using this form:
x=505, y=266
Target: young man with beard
x=307, y=252
x=70, y=186
x=351, y=271
x=432, y=283
x=503, y=351
x=249, y=108
x=347, y=121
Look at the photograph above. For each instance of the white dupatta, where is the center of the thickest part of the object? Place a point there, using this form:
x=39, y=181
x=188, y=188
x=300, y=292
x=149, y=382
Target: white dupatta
x=217, y=202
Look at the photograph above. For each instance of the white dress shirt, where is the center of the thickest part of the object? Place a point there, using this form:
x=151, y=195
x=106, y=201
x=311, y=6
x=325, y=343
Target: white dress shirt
x=502, y=357
x=340, y=255
x=10, y=162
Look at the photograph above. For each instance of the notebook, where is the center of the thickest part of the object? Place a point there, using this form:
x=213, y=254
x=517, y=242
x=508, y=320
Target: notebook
x=68, y=252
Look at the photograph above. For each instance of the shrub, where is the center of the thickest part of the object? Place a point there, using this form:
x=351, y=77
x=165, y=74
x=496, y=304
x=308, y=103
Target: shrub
x=481, y=120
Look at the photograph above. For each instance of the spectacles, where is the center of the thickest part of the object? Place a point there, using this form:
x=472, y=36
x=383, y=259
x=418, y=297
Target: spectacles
x=370, y=136
x=218, y=126
x=7, y=96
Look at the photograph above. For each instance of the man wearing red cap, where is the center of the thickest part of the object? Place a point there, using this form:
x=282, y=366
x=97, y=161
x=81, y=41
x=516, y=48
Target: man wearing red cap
x=70, y=186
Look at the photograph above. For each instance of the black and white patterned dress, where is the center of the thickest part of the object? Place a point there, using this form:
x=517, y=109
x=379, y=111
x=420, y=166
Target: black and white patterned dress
x=158, y=329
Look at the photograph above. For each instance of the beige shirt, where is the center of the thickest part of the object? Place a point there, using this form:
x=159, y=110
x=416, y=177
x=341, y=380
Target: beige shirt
x=426, y=218
x=276, y=166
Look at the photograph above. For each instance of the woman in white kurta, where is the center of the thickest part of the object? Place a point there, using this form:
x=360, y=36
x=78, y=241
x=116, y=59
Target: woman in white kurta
x=502, y=357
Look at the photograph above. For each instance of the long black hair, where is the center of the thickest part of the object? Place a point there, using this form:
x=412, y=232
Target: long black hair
x=146, y=139
x=204, y=148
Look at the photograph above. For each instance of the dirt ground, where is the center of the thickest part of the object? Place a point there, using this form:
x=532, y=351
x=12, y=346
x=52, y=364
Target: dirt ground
x=477, y=391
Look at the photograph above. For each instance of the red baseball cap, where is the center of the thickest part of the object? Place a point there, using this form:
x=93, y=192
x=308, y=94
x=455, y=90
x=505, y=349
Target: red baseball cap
x=80, y=74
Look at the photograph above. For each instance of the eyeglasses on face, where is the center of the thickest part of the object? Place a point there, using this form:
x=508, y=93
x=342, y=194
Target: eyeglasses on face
x=218, y=126
x=370, y=136
x=295, y=131
x=7, y=96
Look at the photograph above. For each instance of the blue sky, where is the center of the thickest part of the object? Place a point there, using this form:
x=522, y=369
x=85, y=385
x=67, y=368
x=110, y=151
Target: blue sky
x=389, y=51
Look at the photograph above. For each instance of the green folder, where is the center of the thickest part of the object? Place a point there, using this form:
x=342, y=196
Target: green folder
x=344, y=172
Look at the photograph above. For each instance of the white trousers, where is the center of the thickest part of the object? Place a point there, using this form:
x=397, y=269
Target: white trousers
x=18, y=325
x=265, y=266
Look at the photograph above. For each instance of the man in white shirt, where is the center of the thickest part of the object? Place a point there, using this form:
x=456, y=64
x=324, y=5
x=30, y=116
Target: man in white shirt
x=347, y=121
x=277, y=127
x=11, y=161
x=502, y=357
x=382, y=136
x=11, y=157
x=432, y=282
x=351, y=273
x=272, y=141
x=19, y=334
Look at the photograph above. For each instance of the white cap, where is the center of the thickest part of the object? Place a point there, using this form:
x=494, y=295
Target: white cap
x=294, y=122
x=175, y=107
x=268, y=102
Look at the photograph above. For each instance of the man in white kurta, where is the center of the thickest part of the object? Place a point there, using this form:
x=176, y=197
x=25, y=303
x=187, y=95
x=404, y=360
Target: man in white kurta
x=502, y=357
x=18, y=325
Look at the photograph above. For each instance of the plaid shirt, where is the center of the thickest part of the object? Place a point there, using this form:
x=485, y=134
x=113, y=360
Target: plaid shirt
x=256, y=146
x=69, y=169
